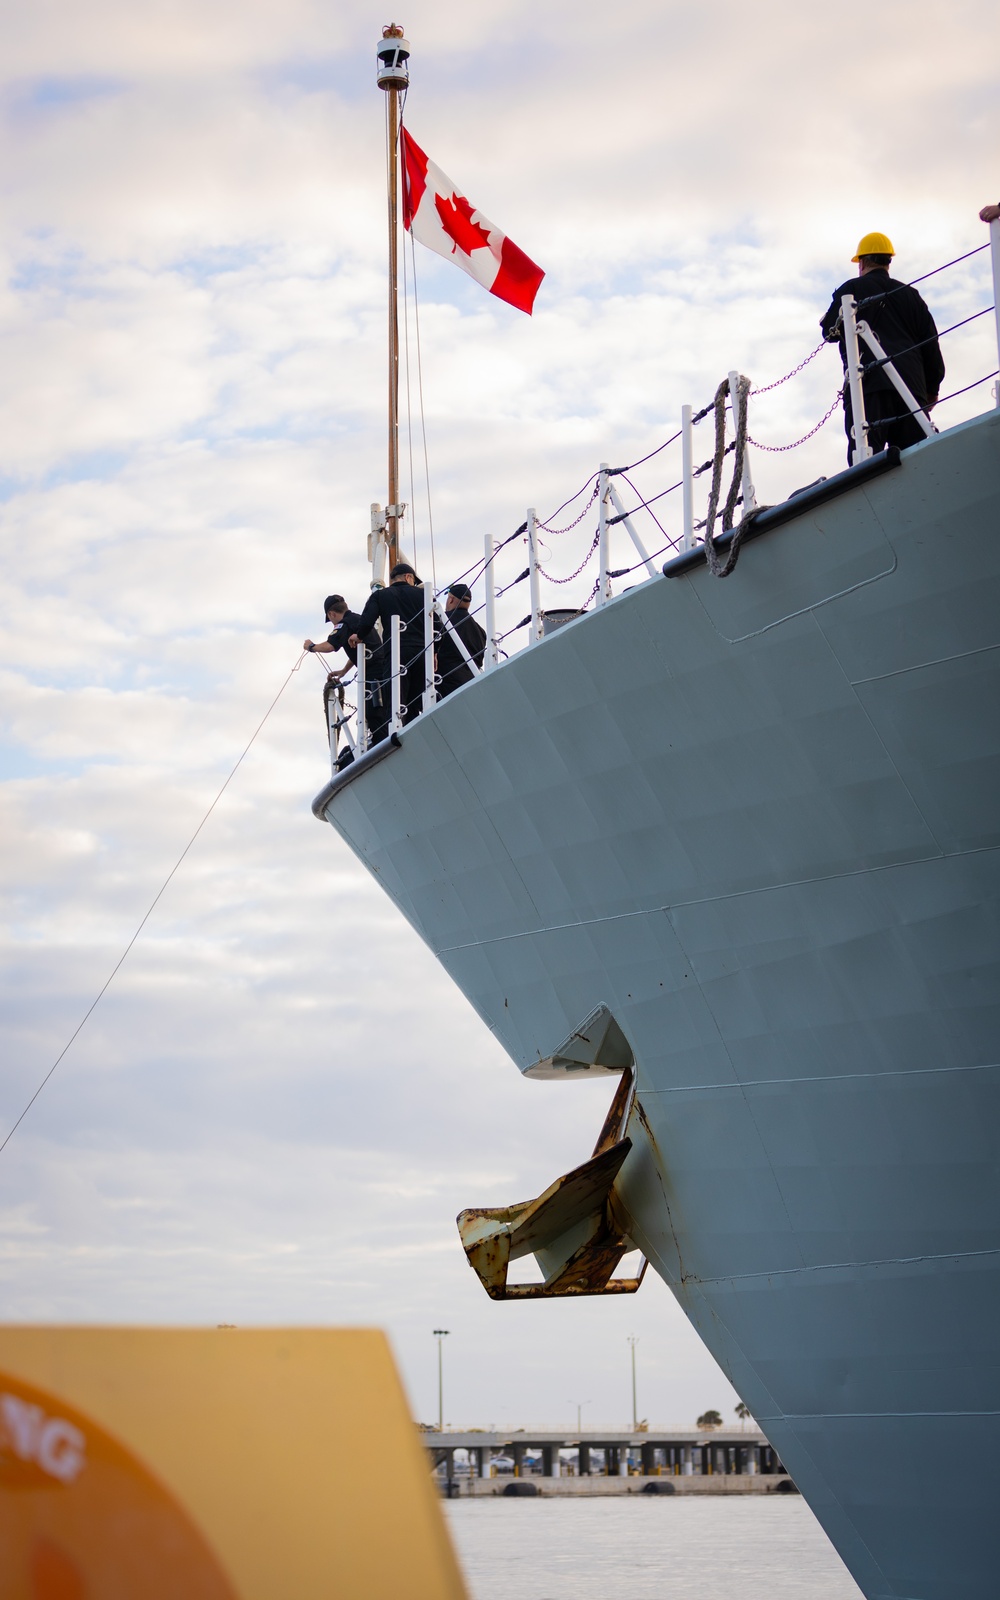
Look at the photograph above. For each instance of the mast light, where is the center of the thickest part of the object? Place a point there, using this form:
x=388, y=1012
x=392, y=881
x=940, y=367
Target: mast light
x=393, y=52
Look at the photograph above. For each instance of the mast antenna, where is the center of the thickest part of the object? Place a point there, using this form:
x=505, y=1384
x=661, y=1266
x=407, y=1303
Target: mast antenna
x=393, y=53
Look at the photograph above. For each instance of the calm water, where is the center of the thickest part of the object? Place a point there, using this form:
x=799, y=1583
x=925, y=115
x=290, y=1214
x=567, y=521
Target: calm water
x=640, y=1547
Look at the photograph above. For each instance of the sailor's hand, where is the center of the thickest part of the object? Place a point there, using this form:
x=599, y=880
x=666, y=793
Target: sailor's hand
x=353, y=641
x=989, y=214
x=307, y=644
x=932, y=402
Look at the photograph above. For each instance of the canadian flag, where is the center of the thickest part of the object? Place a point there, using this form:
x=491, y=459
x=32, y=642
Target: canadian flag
x=441, y=218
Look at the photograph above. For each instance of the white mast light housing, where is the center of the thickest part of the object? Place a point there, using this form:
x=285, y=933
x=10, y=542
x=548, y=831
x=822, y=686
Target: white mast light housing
x=393, y=52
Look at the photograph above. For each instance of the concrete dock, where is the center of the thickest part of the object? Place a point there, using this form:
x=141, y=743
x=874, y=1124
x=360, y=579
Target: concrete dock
x=720, y=1461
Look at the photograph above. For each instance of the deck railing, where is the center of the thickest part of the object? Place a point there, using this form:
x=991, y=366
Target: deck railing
x=379, y=707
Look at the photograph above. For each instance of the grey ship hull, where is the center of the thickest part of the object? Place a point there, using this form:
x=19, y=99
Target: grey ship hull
x=758, y=820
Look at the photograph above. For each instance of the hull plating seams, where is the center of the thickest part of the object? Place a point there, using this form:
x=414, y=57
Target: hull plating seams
x=758, y=820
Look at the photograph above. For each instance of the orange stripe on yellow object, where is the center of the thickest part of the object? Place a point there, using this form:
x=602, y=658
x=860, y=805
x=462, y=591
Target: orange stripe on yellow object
x=257, y=1464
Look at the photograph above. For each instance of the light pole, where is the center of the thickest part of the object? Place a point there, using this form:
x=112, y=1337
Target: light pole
x=633, y=1341
x=579, y=1414
x=441, y=1335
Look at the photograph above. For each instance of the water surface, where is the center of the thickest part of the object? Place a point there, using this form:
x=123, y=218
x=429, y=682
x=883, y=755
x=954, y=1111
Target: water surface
x=646, y=1546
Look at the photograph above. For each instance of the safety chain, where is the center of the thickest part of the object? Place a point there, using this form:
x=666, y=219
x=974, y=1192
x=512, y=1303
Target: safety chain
x=570, y=525
x=583, y=563
x=794, y=372
x=776, y=449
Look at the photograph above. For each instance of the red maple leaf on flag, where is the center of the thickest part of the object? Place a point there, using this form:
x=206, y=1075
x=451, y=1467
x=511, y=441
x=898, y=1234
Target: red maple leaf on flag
x=456, y=220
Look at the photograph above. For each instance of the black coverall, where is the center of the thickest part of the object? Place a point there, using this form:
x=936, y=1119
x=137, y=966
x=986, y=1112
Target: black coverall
x=453, y=669
x=904, y=327
x=338, y=639
x=406, y=601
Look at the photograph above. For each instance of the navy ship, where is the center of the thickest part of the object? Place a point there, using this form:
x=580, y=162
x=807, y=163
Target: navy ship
x=736, y=845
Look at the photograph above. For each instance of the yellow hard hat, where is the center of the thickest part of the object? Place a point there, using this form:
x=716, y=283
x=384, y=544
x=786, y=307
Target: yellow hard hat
x=874, y=244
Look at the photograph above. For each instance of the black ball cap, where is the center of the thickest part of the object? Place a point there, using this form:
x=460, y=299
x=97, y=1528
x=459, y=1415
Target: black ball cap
x=401, y=570
x=334, y=602
x=461, y=591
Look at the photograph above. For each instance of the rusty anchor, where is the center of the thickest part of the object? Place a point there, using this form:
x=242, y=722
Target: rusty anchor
x=571, y=1229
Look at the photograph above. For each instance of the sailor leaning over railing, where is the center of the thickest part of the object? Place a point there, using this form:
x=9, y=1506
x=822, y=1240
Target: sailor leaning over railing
x=343, y=622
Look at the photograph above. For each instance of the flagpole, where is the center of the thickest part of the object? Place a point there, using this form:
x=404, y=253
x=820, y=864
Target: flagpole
x=393, y=75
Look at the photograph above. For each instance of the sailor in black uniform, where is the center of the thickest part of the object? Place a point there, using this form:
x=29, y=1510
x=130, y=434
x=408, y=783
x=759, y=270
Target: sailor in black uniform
x=344, y=622
x=404, y=598
x=453, y=669
x=900, y=320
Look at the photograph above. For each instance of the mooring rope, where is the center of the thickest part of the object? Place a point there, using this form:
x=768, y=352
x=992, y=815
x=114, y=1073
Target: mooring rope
x=150, y=909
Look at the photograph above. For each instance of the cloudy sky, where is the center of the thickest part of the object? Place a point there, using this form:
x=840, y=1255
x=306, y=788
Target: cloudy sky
x=281, y=1104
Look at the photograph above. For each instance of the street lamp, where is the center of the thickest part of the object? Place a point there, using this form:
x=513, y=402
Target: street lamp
x=440, y=1335
x=633, y=1341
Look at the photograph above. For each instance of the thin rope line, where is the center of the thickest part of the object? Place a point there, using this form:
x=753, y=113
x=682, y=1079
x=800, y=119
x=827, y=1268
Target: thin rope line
x=420, y=392
x=569, y=502
x=946, y=264
x=642, y=459
x=884, y=421
x=152, y=906
x=646, y=504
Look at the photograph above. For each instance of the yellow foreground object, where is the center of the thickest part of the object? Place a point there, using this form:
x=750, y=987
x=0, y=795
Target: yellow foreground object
x=229, y=1464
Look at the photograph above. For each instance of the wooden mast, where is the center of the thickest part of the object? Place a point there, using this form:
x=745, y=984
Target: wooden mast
x=393, y=76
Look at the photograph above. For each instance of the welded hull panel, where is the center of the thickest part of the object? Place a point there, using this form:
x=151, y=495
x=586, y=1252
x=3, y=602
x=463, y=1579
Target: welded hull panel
x=759, y=821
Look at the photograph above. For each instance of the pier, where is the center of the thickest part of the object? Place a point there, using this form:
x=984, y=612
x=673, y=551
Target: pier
x=678, y=1461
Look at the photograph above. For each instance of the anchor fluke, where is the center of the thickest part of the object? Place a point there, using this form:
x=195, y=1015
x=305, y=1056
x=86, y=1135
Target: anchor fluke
x=571, y=1229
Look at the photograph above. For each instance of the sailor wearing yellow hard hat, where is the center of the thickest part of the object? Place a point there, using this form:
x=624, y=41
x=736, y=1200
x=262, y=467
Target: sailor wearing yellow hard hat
x=904, y=327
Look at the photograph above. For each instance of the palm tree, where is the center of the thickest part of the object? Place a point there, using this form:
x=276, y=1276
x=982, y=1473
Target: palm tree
x=743, y=1412
x=709, y=1419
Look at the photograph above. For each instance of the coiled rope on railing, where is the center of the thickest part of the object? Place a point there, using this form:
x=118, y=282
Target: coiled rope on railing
x=720, y=569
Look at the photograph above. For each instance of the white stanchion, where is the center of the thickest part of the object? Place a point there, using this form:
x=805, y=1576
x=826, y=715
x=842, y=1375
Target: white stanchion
x=536, y=600
x=603, y=581
x=626, y=522
x=995, y=257
x=362, y=688
x=746, y=483
x=862, y=449
x=687, y=474
x=430, y=688
x=492, y=655
x=394, y=660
